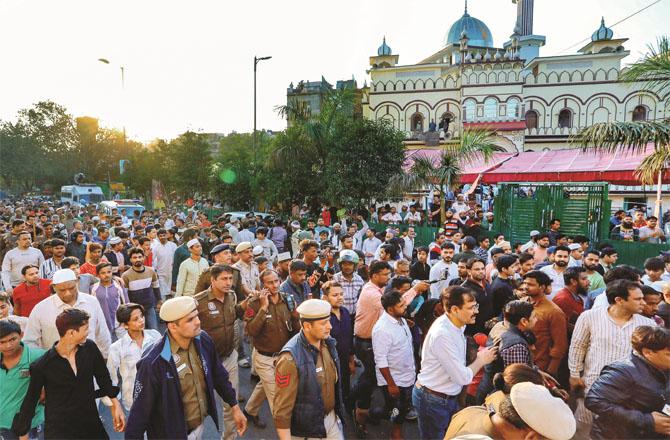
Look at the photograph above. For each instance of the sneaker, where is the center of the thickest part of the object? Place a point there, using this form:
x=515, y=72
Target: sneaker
x=244, y=363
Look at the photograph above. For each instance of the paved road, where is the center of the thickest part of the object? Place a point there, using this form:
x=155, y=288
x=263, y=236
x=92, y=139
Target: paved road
x=376, y=432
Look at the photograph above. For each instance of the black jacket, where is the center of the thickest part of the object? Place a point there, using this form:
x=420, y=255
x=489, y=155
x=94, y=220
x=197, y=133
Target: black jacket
x=485, y=299
x=623, y=398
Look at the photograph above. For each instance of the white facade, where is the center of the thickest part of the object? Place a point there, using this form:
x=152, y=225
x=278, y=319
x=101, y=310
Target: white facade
x=533, y=104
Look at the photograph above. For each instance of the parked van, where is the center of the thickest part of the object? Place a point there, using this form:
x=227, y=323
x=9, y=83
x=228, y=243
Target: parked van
x=81, y=195
x=129, y=205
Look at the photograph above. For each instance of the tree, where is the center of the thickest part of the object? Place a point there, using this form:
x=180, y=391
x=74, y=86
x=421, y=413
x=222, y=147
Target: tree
x=445, y=173
x=654, y=71
x=233, y=180
x=361, y=161
x=191, y=153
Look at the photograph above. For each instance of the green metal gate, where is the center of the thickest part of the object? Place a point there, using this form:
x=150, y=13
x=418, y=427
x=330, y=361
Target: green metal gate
x=583, y=209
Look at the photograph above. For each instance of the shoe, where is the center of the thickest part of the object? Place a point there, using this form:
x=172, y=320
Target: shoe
x=241, y=399
x=244, y=363
x=411, y=414
x=255, y=377
x=255, y=420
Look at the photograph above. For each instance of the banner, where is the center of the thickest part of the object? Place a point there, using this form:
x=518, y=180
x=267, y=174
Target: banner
x=157, y=194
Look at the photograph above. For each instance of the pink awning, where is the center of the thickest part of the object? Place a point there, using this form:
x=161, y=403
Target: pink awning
x=470, y=170
x=572, y=165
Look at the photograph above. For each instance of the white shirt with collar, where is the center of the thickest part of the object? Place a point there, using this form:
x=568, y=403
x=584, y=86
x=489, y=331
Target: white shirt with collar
x=443, y=362
x=41, y=330
x=438, y=271
x=163, y=257
x=392, y=347
x=122, y=361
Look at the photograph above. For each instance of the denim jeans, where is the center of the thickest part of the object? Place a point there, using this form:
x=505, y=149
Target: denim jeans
x=367, y=381
x=8, y=434
x=150, y=318
x=434, y=413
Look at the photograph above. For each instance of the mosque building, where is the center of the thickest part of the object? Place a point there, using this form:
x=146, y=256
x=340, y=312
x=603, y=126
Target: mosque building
x=533, y=102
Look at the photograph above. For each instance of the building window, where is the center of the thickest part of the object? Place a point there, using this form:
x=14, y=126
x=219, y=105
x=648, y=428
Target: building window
x=490, y=108
x=565, y=118
x=469, y=111
x=417, y=122
x=640, y=113
x=531, y=119
x=513, y=108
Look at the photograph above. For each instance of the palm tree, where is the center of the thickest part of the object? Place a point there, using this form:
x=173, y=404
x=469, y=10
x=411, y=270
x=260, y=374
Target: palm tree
x=608, y=137
x=444, y=173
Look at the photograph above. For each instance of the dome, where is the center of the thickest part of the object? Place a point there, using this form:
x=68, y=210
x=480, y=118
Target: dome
x=603, y=33
x=384, y=49
x=478, y=33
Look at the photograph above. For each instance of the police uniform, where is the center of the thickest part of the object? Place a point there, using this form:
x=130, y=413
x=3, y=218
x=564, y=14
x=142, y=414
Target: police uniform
x=217, y=318
x=307, y=383
x=270, y=330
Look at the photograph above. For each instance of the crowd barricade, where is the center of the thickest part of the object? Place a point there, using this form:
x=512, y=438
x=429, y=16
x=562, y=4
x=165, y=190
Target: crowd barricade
x=634, y=252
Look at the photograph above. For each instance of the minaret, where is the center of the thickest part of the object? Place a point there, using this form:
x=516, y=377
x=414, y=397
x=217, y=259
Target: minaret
x=529, y=43
x=524, y=17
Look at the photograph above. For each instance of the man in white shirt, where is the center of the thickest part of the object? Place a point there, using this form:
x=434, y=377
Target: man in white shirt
x=602, y=336
x=41, y=330
x=370, y=245
x=22, y=255
x=190, y=269
x=163, y=258
x=394, y=358
x=444, y=270
x=413, y=217
x=443, y=363
x=555, y=271
x=392, y=217
x=459, y=205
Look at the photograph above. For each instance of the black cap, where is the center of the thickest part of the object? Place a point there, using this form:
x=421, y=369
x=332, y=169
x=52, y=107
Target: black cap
x=219, y=248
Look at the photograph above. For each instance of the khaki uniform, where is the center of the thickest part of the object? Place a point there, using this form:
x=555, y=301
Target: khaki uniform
x=285, y=396
x=204, y=281
x=471, y=420
x=217, y=318
x=192, y=383
x=270, y=331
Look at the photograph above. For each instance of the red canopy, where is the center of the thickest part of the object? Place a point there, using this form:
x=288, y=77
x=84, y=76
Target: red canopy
x=572, y=165
x=470, y=170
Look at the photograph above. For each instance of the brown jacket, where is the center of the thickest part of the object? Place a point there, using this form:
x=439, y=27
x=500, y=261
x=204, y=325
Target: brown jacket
x=218, y=318
x=271, y=329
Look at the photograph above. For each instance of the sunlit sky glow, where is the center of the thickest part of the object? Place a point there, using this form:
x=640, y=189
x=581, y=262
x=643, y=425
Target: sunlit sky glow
x=189, y=64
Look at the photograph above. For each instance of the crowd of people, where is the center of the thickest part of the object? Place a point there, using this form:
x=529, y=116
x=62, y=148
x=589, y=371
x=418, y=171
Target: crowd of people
x=153, y=313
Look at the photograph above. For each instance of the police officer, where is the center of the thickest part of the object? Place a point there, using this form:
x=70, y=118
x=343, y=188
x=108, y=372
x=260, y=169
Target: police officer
x=271, y=324
x=176, y=379
x=308, y=399
x=218, y=310
x=222, y=254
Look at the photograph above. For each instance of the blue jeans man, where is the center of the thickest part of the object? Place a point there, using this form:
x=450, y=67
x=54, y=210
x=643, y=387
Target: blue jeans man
x=434, y=413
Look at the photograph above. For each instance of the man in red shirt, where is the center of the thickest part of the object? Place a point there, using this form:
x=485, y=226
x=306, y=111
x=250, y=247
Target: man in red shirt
x=571, y=298
x=32, y=290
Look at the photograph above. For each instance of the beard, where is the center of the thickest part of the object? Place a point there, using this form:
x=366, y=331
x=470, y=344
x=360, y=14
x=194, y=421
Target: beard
x=627, y=225
x=561, y=263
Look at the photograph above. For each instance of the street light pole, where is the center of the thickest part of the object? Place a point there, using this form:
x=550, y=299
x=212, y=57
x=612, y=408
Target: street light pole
x=123, y=90
x=256, y=61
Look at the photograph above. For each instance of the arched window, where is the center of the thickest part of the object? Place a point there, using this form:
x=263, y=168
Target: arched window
x=640, y=113
x=490, y=108
x=445, y=121
x=417, y=122
x=565, y=118
x=513, y=108
x=469, y=111
x=531, y=119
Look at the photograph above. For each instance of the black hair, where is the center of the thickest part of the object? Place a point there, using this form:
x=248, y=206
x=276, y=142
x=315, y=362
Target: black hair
x=378, y=266
x=516, y=310
x=654, y=264
x=542, y=278
x=472, y=261
x=572, y=273
x=455, y=296
x=68, y=262
x=57, y=242
x=71, y=319
x=218, y=269
x=505, y=261
x=7, y=327
x=125, y=310
x=562, y=248
x=623, y=272
x=398, y=282
x=391, y=298
x=297, y=265
x=101, y=266
x=448, y=245
x=591, y=252
x=525, y=256
x=135, y=250
x=25, y=268
x=619, y=289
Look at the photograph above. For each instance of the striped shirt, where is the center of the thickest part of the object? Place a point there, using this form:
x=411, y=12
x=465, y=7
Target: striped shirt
x=598, y=341
x=143, y=287
x=48, y=269
x=351, y=289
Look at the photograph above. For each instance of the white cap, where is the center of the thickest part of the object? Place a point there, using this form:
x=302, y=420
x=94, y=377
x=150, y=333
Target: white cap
x=534, y=233
x=284, y=256
x=295, y=224
x=574, y=246
x=192, y=242
x=63, y=276
x=545, y=414
x=257, y=251
x=114, y=240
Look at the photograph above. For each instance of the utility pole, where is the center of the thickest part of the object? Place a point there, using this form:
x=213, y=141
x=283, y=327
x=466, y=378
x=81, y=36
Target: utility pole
x=256, y=61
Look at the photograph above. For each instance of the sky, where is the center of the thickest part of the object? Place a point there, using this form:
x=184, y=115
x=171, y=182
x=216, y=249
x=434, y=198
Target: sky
x=189, y=64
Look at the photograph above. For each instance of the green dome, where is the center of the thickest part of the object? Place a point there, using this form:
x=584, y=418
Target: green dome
x=478, y=33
